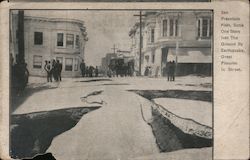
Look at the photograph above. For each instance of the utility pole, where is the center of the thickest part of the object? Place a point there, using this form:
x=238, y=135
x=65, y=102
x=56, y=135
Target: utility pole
x=140, y=16
x=20, y=36
x=114, y=48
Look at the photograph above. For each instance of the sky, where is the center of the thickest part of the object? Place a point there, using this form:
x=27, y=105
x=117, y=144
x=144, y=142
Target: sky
x=104, y=28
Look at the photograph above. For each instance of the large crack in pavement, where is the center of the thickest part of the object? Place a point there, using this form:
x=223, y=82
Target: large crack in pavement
x=171, y=137
x=32, y=133
x=171, y=131
x=180, y=94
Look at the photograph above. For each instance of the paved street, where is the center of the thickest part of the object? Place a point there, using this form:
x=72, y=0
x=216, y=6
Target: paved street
x=118, y=129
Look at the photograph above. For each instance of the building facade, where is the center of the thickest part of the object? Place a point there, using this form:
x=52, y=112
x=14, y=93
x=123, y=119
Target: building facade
x=181, y=36
x=50, y=38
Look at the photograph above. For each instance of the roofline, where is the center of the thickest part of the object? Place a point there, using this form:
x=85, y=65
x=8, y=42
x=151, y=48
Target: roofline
x=54, y=19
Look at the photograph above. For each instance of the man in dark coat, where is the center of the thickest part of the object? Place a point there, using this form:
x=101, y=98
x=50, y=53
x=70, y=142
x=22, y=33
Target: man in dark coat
x=91, y=69
x=168, y=67
x=172, y=71
x=96, y=71
x=83, y=68
x=54, y=70
x=59, y=70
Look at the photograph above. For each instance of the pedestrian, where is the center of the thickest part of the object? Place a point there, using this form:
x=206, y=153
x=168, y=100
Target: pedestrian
x=96, y=71
x=83, y=68
x=47, y=68
x=168, y=70
x=54, y=70
x=150, y=71
x=91, y=69
x=146, y=71
x=109, y=73
x=87, y=71
x=173, y=70
x=59, y=69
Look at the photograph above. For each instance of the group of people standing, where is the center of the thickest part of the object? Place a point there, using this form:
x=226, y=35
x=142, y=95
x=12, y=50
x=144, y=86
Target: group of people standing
x=88, y=71
x=171, y=65
x=53, y=69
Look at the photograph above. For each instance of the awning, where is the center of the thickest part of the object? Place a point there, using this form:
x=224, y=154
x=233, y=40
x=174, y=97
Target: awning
x=190, y=55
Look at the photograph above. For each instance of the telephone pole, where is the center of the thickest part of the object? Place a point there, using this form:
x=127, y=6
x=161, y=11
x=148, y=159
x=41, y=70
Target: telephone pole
x=114, y=48
x=140, y=16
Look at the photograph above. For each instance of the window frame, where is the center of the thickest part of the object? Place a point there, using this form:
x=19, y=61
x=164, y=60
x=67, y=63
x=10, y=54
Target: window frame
x=66, y=65
x=170, y=27
x=200, y=28
x=35, y=62
x=152, y=35
x=77, y=43
x=67, y=41
x=165, y=28
x=153, y=58
x=38, y=40
x=62, y=39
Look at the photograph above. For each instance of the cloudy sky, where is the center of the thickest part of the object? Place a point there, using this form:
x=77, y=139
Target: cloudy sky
x=104, y=28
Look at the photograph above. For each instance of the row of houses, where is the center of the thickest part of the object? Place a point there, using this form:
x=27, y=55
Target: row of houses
x=181, y=36
x=46, y=39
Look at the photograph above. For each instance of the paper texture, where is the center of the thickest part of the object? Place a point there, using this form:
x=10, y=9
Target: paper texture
x=128, y=80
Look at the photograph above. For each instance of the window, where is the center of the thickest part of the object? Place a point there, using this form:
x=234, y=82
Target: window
x=152, y=35
x=176, y=27
x=68, y=64
x=38, y=38
x=37, y=61
x=165, y=28
x=59, y=39
x=171, y=28
x=69, y=40
x=77, y=41
x=204, y=27
x=76, y=64
x=153, y=58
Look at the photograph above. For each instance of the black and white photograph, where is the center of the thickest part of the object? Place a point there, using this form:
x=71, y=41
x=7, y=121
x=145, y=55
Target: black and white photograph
x=111, y=84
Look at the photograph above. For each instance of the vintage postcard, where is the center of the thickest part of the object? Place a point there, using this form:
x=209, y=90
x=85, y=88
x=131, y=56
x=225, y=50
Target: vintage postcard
x=121, y=82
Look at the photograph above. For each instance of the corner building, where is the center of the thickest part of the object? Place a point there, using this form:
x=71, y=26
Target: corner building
x=51, y=38
x=182, y=36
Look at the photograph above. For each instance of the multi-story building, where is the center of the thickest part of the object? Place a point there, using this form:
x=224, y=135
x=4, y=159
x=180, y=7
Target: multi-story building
x=181, y=36
x=47, y=39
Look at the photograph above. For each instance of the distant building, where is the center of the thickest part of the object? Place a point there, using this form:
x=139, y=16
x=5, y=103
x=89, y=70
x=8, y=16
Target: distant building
x=106, y=60
x=182, y=36
x=47, y=39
